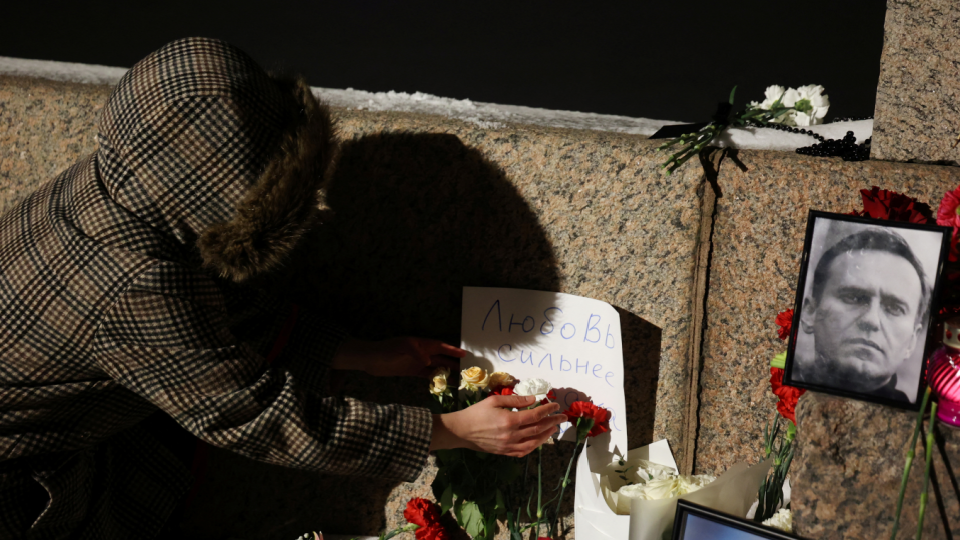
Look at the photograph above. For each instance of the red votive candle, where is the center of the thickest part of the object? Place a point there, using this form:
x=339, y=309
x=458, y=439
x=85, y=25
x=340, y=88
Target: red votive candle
x=943, y=374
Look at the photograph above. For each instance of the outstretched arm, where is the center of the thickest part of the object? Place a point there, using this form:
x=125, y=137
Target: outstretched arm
x=167, y=339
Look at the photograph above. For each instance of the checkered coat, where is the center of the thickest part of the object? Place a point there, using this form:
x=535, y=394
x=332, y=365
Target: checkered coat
x=125, y=289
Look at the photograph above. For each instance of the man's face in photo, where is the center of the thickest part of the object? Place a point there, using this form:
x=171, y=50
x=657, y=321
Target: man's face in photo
x=865, y=324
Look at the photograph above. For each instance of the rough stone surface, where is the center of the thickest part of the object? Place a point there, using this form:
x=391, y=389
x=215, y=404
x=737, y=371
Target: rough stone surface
x=849, y=463
x=422, y=205
x=44, y=127
x=757, y=243
x=917, y=115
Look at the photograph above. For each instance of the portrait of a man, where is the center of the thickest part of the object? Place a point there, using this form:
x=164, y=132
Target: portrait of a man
x=865, y=309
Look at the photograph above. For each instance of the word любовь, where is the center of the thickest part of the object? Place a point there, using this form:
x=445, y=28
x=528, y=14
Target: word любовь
x=591, y=334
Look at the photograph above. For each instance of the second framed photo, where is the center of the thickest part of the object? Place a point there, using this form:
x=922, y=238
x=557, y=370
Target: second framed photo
x=865, y=297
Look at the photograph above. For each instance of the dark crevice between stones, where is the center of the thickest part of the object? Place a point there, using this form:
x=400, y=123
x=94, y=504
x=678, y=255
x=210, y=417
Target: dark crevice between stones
x=710, y=159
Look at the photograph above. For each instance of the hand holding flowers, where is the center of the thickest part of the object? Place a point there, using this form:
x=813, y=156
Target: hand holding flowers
x=479, y=439
x=492, y=426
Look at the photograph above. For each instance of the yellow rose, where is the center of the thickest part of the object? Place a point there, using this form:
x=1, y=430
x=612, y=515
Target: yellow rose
x=473, y=379
x=438, y=385
x=499, y=379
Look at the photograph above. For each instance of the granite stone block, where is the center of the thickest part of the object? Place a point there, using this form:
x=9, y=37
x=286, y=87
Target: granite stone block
x=757, y=243
x=420, y=206
x=44, y=127
x=849, y=463
x=917, y=114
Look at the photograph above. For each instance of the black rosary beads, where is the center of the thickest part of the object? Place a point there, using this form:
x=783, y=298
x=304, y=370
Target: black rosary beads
x=847, y=148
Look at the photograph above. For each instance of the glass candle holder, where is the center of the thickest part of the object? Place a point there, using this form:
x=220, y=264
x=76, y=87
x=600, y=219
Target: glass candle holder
x=943, y=374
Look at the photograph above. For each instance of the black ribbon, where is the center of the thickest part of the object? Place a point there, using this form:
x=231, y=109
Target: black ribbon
x=721, y=117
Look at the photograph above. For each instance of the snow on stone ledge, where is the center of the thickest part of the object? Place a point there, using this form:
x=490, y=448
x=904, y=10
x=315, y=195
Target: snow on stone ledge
x=772, y=139
x=61, y=71
x=484, y=115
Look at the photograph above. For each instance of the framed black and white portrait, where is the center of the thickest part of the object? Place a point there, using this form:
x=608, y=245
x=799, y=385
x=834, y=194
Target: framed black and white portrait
x=866, y=293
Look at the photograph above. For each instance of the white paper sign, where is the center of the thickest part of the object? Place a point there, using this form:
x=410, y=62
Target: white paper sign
x=570, y=341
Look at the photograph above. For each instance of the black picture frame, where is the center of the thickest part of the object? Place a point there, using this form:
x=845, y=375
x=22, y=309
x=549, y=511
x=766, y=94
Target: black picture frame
x=925, y=343
x=723, y=523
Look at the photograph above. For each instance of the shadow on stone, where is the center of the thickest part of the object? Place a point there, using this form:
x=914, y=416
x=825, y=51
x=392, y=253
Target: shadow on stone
x=413, y=219
x=641, y=366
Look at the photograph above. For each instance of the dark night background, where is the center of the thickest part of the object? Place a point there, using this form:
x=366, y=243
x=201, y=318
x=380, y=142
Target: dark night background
x=660, y=60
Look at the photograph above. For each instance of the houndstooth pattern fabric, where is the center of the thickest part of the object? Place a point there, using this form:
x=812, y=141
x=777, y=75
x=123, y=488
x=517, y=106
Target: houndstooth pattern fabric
x=108, y=316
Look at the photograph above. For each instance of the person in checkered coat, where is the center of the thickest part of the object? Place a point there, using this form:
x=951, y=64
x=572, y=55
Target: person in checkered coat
x=129, y=285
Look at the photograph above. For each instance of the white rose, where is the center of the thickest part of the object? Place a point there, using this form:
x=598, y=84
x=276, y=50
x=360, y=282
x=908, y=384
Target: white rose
x=634, y=491
x=438, y=385
x=533, y=387
x=666, y=487
x=652, y=471
x=689, y=484
x=782, y=520
x=500, y=379
x=473, y=379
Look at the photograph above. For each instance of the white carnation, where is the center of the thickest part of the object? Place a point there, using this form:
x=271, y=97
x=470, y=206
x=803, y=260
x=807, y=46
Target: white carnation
x=782, y=520
x=812, y=103
x=533, y=387
x=772, y=94
x=809, y=102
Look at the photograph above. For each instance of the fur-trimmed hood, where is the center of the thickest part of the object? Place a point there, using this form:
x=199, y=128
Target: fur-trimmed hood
x=201, y=143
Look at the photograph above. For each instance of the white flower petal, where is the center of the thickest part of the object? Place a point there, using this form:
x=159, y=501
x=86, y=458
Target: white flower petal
x=533, y=387
x=790, y=98
x=782, y=520
x=773, y=93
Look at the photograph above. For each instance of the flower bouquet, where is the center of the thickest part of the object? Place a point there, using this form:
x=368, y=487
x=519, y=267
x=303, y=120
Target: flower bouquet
x=638, y=494
x=483, y=489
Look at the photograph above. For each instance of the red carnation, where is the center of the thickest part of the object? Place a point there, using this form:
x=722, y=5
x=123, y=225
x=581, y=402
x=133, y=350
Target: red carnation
x=421, y=512
x=947, y=213
x=776, y=379
x=585, y=409
x=501, y=391
x=788, y=395
x=785, y=322
x=434, y=531
x=884, y=204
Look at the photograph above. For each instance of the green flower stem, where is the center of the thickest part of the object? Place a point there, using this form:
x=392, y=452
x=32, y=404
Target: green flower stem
x=670, y=143
x=563, y=486
x=910, y=455
x=926, y=472
x=539, y=486
x=406, y=528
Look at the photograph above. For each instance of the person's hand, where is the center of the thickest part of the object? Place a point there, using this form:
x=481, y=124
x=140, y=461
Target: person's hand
x=397, y=357
x=490, y=426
